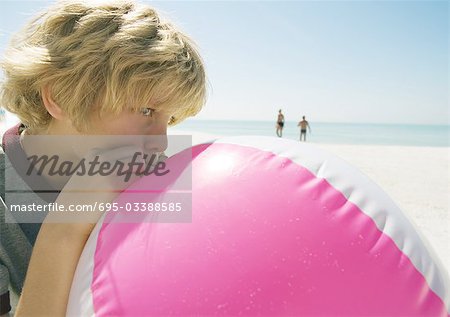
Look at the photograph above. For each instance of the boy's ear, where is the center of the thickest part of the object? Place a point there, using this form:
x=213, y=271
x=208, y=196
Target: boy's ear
x=52, y=107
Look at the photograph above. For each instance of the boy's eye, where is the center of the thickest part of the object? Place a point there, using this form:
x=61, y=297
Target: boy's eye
x=148, y=112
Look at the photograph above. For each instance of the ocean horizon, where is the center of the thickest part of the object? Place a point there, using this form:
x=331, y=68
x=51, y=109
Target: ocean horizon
x=328, y=132
x=321, y=132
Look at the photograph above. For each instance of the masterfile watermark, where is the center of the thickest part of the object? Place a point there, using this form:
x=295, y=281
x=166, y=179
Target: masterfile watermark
x=140, y=165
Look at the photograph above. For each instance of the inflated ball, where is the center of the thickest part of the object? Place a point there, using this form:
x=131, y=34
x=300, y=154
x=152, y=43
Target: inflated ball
x=276, y=228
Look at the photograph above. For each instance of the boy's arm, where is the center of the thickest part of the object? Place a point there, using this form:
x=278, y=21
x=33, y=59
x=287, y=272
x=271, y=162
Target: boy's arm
x=59, y=246
x=55, y=256
x=51, y=270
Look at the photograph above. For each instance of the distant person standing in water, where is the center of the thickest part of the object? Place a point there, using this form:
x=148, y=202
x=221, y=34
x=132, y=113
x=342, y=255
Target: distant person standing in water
x=280, y=124
x=303, y=125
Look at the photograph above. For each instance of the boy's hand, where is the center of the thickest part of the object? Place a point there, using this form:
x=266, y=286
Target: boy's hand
x=114, y=170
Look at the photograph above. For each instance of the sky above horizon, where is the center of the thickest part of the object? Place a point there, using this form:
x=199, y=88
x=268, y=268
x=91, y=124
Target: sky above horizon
x=333, y=61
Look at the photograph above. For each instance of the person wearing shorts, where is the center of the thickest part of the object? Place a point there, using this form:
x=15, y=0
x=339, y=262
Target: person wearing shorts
x=303, y=126
x=280, y=124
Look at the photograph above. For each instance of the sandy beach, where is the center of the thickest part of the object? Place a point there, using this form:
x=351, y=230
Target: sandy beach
x=416, y=178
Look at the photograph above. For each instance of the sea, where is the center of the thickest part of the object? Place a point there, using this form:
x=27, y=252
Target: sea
x=331, y=133
x=321, y=132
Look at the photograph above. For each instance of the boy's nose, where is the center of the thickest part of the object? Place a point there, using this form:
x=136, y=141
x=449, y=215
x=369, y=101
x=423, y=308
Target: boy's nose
x=156, y=140
x=156, y=143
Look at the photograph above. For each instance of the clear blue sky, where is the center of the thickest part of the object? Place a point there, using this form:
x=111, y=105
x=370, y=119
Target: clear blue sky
x=339, y=61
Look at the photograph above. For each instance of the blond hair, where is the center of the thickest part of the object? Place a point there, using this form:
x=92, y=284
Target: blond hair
x=108, y=56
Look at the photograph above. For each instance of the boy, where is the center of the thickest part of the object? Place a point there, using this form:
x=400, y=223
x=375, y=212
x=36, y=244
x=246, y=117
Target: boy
x=83, y=68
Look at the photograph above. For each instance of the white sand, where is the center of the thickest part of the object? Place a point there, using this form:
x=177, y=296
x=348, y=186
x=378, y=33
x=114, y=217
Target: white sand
x=416, y=178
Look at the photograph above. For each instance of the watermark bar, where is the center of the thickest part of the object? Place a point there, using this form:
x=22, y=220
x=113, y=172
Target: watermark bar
x=121, y=178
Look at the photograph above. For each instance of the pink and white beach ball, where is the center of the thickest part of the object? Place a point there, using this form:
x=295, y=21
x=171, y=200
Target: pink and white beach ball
x=278, y=228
